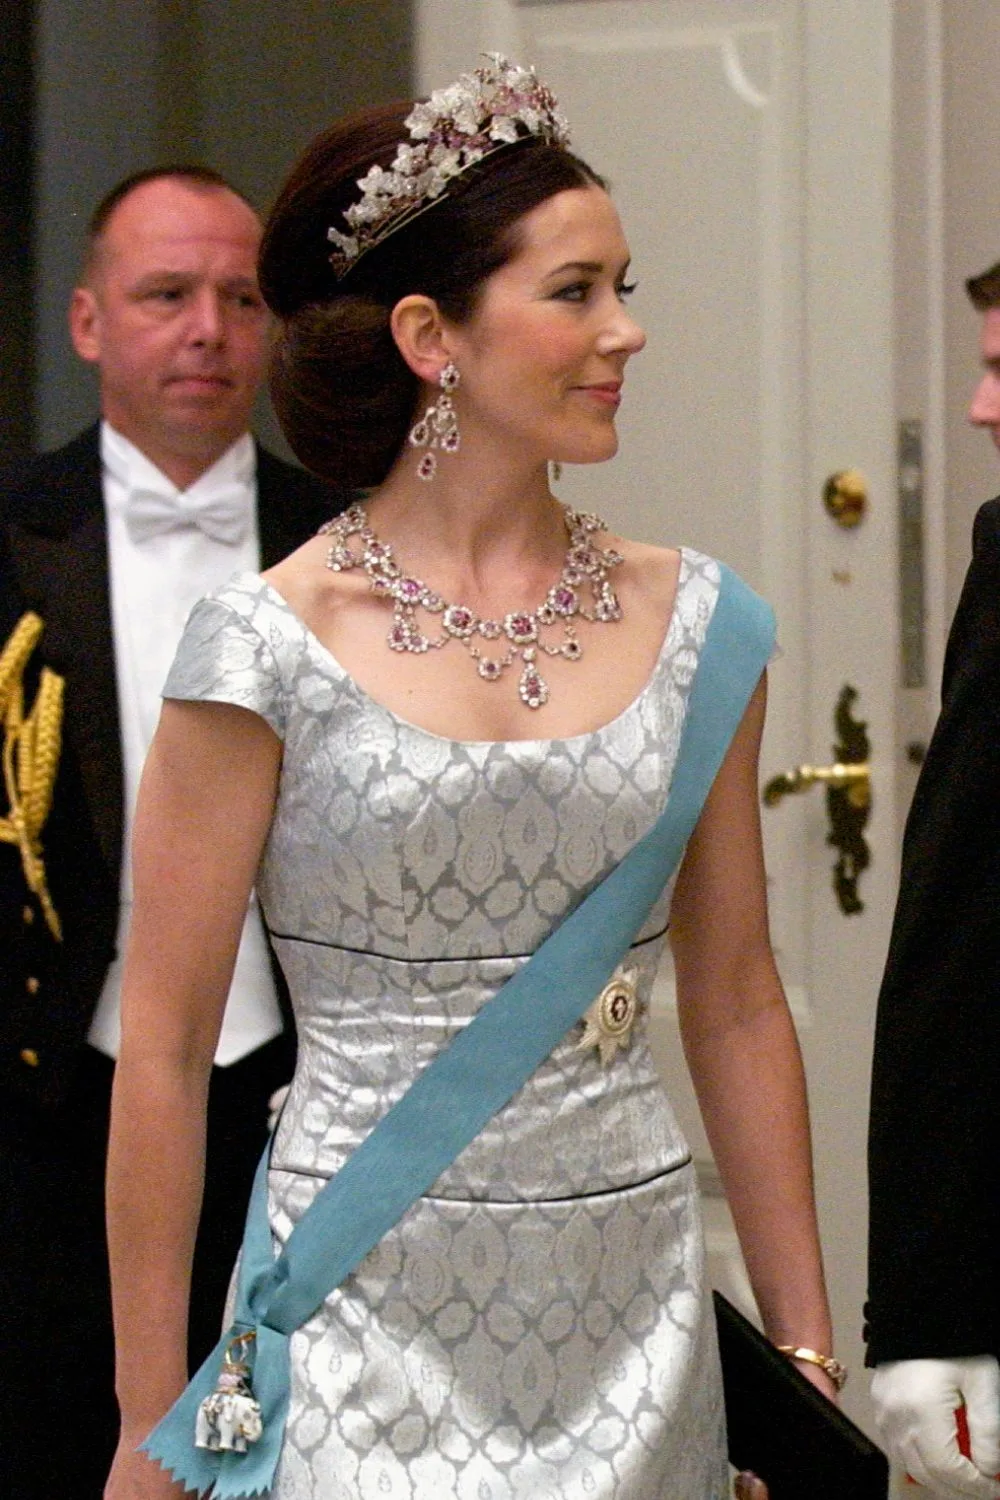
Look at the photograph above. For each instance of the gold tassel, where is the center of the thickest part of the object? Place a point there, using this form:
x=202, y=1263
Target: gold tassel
x=31, y=747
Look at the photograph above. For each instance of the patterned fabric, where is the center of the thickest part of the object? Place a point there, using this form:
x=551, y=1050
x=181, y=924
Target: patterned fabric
x=537, y=1325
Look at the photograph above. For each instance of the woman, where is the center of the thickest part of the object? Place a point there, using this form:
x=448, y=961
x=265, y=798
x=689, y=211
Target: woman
x=537, y=1324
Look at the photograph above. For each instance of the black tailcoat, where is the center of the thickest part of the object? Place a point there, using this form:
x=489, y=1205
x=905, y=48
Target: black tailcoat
x=54, y=560
x=934, y=1153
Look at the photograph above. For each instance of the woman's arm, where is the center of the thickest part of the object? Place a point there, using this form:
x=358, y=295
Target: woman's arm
x=205, y=806
x=743, y=1053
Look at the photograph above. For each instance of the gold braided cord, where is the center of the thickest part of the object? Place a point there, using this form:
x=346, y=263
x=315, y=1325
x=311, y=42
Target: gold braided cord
x=46, y=737
x=31, y=747
x=14, y=656
x=22, y=733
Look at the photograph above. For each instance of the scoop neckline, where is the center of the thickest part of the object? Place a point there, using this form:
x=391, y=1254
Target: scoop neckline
x=442, y=739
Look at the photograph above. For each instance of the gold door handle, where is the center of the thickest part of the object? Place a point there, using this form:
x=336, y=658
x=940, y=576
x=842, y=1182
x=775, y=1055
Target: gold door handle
x=854, y=777
x=845, y=496
x=848, y=798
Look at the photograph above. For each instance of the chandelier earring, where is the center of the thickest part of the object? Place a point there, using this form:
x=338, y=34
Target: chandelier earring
x=438, y=427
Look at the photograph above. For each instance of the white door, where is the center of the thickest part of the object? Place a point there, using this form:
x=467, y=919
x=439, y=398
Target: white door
x=748, y=146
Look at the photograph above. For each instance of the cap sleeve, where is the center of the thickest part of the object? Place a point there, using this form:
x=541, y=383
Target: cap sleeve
x=223, y=658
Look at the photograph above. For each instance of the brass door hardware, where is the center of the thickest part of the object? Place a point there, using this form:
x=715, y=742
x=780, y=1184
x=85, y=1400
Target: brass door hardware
x=848, y=799
x=854, y=777
x=845, y=496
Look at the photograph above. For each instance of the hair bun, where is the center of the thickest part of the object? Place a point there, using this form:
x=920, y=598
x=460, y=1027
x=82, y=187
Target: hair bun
x=339, y=428
x=296, y=271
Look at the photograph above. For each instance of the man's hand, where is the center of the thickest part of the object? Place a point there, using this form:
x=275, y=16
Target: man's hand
x=915, y=1404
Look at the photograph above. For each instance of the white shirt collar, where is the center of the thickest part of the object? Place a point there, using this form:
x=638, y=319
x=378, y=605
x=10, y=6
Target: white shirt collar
x=134, y=471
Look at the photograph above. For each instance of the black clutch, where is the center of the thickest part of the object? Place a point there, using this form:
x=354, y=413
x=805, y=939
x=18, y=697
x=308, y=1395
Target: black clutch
x=784, y=1429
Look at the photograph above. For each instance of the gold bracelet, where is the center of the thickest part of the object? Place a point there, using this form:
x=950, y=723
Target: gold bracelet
x=826, y=1362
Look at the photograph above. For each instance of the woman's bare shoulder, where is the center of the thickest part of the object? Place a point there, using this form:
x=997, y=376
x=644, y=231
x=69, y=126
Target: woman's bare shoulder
x=643, y=554
x=308, y=586
x=652, y=570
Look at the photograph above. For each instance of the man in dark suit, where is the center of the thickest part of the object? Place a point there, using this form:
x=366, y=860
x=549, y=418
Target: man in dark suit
x=933, y=1318
x=108, y=541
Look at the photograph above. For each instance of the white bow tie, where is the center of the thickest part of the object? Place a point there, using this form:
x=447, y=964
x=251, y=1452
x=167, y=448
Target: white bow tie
x=222, y=513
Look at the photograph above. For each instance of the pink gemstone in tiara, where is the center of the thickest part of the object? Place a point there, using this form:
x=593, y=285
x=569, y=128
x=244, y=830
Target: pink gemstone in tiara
x=483, y=111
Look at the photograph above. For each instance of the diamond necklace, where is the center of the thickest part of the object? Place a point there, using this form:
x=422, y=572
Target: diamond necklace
x=520, y=631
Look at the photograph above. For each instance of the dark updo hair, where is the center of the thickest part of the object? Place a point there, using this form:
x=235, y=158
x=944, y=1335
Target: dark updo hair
x=343, y=393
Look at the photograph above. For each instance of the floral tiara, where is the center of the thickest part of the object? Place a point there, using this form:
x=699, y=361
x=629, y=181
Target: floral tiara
x=456, y=127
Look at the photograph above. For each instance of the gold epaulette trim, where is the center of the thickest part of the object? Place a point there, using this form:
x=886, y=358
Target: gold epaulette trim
x=31, y=746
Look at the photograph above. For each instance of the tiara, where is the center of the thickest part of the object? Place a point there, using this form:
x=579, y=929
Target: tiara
x=456, y=127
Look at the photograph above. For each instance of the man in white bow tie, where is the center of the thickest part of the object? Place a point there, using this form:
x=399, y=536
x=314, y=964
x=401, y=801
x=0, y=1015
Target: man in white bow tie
x=110, y=541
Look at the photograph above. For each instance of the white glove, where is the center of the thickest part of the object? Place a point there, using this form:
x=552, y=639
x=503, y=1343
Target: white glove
x=275, y=1104
x=915, y=1402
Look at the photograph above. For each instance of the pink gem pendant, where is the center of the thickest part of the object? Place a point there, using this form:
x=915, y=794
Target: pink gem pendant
x=532, y=688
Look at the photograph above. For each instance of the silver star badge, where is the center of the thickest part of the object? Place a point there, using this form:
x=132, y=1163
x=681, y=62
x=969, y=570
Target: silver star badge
x=607, y=1024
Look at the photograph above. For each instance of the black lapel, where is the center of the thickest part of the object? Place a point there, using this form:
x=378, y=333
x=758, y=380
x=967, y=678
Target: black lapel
x=291, y=505
x=59, y=540
x=60, y=556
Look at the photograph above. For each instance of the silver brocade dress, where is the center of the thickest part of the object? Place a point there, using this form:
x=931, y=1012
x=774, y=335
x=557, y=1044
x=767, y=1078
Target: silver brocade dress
x=538, y=1325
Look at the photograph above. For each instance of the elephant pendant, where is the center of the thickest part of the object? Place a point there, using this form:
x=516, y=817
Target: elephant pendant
x=230, y=1417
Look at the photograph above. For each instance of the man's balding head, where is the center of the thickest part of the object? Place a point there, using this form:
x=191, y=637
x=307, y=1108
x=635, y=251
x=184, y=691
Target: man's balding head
x=169, y=312
x=191, y=173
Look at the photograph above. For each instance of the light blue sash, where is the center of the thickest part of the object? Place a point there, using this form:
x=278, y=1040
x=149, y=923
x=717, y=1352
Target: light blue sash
x=450, y=1102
